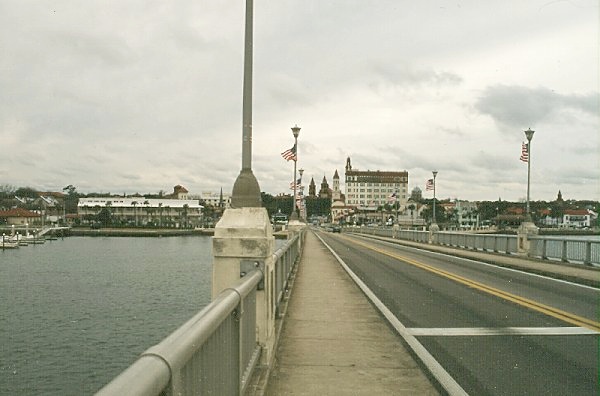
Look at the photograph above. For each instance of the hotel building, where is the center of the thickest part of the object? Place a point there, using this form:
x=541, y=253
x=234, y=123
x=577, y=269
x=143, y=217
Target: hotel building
x=371, y=189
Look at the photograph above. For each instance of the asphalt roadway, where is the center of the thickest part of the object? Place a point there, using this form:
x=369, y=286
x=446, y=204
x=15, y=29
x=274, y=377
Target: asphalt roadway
x=494, y=330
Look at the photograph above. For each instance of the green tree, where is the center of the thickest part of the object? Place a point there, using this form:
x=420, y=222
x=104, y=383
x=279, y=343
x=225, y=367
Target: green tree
x=71, y=199
x=427, y=214
x=26, y=192
x=105, y=216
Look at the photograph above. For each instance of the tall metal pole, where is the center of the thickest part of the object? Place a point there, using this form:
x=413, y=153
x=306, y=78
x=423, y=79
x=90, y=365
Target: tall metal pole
x=434, y=176
x=300, y=172
x=397, y=201
x=247, y=92
x=529, y=135
x=296, y=132
x=246, y=191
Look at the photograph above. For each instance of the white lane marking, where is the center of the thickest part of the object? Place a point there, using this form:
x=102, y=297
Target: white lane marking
x=488, y=331
x=435, y=368
x=497, y=266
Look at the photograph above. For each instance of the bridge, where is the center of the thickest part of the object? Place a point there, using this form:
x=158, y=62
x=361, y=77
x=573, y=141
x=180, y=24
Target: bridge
x=369, y=315
x=379, y=314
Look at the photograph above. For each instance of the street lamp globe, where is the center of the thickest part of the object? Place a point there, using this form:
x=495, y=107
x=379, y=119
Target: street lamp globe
x=296, y=131
x=529, y=134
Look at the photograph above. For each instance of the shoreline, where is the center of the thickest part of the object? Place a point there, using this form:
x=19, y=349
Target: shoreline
x=149, y=232
x=139, y=232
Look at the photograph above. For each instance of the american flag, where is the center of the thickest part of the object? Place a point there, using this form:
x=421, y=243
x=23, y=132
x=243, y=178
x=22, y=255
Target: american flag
x=393, y=197
x=429, y=185
x=298, y=184
x=290, y=154
x=524, y=152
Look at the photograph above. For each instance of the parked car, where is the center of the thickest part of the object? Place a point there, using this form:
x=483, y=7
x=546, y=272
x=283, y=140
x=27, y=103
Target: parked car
x=336, y=228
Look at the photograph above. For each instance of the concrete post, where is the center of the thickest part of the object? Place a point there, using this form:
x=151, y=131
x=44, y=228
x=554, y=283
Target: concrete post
x=525, y=230
x=294, y=227
x=395, y=230
x=433, y=230
x=245, y=234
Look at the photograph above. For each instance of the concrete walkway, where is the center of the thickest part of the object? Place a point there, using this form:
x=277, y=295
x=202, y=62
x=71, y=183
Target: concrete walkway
x=334, y=342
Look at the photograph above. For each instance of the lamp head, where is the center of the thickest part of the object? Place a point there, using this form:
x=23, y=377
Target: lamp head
x=296, y=130
x=434, y=173
x=529, y=134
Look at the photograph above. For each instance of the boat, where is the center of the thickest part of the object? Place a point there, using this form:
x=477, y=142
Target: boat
x=6, y=243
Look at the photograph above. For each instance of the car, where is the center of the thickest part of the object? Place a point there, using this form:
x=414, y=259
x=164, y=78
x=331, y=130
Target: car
x=336, y=228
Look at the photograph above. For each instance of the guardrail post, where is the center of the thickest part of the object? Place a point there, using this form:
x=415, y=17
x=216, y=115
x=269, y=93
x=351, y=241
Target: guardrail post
x=544, y=249
x=244, y=235
x=564, y=255
x=588, y=253
x=524, y=245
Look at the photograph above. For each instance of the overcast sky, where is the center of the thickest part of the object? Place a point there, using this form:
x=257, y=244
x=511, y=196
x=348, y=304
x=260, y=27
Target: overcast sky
x=138, y=96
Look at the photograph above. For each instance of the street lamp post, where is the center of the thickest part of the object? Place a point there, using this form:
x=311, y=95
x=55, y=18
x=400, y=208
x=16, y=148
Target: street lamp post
x=434, y=176
x=300, y=172
x=397, y=194
x=295, y=132
x=529, y=136
x=246, y=191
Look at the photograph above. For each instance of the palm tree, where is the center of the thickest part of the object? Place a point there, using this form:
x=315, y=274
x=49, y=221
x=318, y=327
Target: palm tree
x=160, y=212
x=185, y=214
x=146, y=205
x=134, y=203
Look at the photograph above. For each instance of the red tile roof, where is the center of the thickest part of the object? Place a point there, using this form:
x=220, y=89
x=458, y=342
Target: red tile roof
x=18, y=212
x=577, y=212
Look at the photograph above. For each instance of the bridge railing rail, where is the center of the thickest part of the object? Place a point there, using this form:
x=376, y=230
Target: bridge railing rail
x=484, y=242
x=216, y=351
x=566, y=250
x=571, y=250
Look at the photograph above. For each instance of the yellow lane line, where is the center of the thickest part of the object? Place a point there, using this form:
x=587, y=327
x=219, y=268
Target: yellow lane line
x=525, y=302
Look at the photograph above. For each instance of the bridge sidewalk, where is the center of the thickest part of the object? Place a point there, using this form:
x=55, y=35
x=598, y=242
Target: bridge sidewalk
x=334, y=342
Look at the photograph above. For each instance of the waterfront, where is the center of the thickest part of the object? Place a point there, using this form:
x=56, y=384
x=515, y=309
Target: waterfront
x=78, y=311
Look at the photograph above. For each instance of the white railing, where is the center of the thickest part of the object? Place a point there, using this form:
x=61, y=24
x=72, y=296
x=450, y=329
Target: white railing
x=216, y=351
x=567, y=250
x=577, y=251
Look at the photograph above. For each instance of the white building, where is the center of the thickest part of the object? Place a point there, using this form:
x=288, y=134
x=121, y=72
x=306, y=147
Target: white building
x=578, y=218
x=138, y=211
x=466, y=214
x=213, y=199
x=371, y=189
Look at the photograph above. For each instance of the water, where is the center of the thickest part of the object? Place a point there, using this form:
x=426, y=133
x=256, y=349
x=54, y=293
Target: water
x=76, y=312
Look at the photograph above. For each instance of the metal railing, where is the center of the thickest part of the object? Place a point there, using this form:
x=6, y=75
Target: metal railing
x=216, y=351
x=567, y=250
x=577, y=251
x=284, y=259
x=485, y=242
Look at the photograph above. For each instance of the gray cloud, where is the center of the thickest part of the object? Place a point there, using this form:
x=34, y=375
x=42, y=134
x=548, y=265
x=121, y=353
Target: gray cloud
x=522, y=107
x=140, y=96
x=404, y=75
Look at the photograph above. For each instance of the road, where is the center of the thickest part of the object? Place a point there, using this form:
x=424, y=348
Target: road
x=495, y=331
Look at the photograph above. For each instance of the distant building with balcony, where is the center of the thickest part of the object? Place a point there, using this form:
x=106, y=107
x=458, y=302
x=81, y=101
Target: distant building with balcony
x=216, y=200
x=466, y=214
x=371, y=189
x=19, y=216
x=141, y=211
x=578, y=218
